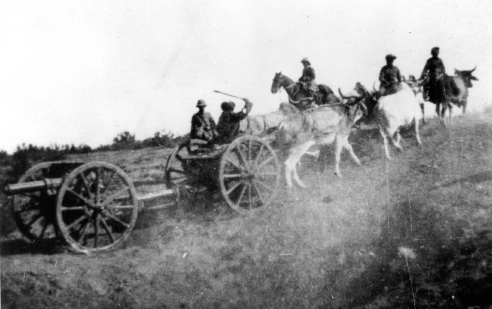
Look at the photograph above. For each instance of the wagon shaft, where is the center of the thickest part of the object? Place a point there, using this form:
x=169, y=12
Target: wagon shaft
x=50, y=185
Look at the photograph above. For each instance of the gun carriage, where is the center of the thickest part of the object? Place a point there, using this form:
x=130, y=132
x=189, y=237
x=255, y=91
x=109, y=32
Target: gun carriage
x=94, y=206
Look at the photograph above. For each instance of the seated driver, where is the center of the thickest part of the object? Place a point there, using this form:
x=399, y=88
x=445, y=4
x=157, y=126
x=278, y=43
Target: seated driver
x=228, y=126
x=203, y=125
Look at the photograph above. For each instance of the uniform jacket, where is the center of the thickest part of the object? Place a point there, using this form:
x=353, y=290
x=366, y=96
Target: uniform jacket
x=435, y=67
x=203, y=126
x=308, y=74
x=228, y=126
x=389, y=74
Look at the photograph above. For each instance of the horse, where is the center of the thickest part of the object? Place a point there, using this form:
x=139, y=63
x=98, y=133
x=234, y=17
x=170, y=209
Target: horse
x=300, y=97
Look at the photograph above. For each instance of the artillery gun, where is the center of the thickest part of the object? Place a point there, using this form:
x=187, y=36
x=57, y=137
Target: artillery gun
x=94, y=206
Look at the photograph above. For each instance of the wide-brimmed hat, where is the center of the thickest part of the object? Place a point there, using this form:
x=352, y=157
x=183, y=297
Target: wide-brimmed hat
x=201, y=103
x=306, y=60
x=390, y=57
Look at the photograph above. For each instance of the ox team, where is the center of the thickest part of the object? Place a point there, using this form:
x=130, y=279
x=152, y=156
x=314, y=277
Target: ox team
x=394, y=105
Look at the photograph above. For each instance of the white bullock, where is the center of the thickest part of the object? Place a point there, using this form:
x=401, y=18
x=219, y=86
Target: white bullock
x=321, y=125
x=396, y=110
x=262, y=124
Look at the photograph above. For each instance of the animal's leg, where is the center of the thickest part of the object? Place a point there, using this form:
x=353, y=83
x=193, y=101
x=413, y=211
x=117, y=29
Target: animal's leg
x=385, y=142
x=417, y=131
x=423, y=111
x=438, y=112
x=288, y=172
x=338, y=151
x=464, y=106
x=443, y=113
x=450, y=113
x=291, y=163
x=349, y=148
x=397, y=141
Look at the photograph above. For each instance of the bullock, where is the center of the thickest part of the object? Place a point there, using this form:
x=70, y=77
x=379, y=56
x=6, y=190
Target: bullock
x=263, y=123
x=394, y=111
x=417, y=88
x=319, y=126
x=456, y=90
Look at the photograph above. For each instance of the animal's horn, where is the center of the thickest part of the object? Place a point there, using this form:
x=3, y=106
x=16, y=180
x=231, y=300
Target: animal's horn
x=473, y=69
x=374, y=86
x=343, y=97
x=341, y=94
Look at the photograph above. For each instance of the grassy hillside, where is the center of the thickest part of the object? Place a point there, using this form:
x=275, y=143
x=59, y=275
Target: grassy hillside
x=411, y=232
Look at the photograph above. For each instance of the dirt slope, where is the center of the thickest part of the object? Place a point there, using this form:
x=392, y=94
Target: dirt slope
x=413, y=232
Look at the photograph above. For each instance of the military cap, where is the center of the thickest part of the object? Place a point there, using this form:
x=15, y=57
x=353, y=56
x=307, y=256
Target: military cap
x=306, y=60
x=390, y=57
x=201, y=103
x=226, y=106
x=435, y=50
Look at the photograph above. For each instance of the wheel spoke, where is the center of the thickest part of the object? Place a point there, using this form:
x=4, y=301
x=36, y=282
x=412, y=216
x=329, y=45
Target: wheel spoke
x=234, y=163
x=36, y=218
x=83, y=230
x=249, y=149
x=96, y=232
x=86, y=185
x=242, y=155
x=266, y=161
x=259, y=154
x=69, y=227
x=73, y=208
x=114, y=196
x=98, y=188
x=241, y=195
x=250, y=198
x=106, y=228
x=259, y=193
x=86, y=201
x=233, y=188
x=264, y=185
x=116, y=219
x=45, y=226
x=122, y=207
x=233, y=176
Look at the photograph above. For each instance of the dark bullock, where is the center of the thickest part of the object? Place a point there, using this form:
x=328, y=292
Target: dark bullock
x=452, y=90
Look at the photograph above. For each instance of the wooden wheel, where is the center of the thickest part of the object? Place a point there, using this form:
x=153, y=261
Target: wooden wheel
x=249, y=174
x=181, y=177
x=34, y=213
x=96, y=207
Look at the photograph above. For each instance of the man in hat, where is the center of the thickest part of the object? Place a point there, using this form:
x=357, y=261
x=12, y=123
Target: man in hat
x=203, y=125
x=307, y=78
x=228, y=126
x=434, y=69
x=389, y=76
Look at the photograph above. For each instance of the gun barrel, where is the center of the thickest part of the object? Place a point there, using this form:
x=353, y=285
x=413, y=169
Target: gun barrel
x=33, y=186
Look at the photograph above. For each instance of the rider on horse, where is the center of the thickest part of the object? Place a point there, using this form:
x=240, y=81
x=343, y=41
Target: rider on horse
x=307, y=80
x=435, y=70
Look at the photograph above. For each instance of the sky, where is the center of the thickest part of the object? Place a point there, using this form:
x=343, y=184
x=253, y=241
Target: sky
x=81, y=72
